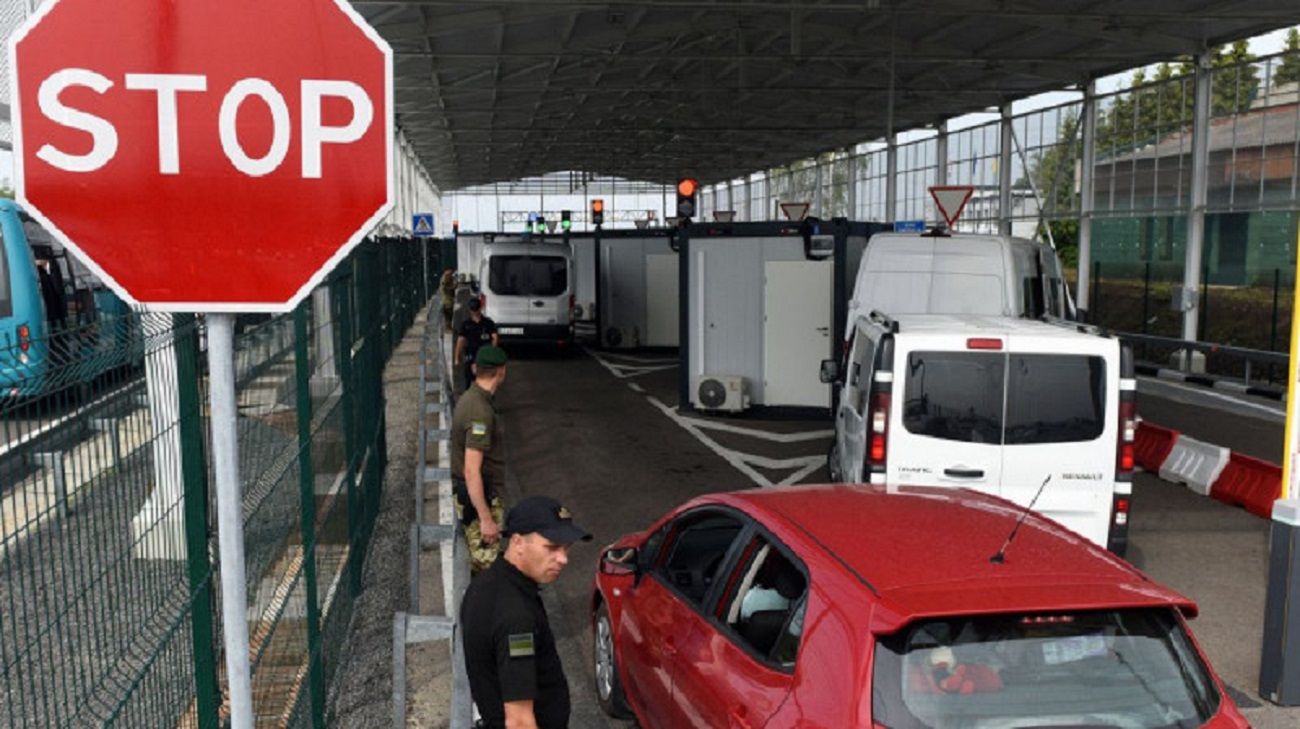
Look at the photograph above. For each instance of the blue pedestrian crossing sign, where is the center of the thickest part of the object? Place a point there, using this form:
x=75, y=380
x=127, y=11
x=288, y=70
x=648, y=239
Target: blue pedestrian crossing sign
x=909, y=226
x=422, y=224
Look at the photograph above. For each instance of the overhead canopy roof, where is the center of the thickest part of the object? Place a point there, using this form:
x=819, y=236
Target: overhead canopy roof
x=493, y=91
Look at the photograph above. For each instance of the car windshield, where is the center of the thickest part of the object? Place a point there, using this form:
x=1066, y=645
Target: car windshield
x=528, y=275
x=1135, y=669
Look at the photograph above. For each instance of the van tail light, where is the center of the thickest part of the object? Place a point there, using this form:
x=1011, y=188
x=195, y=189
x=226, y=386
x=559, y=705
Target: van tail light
x=482, y=303
x=1121, y=510
x=24, y=337
x=573, y=302
x=1117, y=541
x=879, y=428
x=983, y=343
x=1127, y=435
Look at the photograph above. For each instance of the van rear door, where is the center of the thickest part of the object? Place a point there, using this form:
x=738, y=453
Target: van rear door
x=946, y=420
x=527, y=289
x=1062, y=421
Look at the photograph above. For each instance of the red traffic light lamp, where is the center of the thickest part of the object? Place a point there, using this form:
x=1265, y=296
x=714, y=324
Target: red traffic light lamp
x=687, y=189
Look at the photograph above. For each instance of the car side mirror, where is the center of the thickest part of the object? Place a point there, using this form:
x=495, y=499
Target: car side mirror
x=620, y=561
x=830, y=371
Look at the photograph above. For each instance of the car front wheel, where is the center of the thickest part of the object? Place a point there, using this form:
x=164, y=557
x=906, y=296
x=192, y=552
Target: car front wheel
x=609, y=689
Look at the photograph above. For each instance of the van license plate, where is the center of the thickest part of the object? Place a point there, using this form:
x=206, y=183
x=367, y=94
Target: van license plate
x=512, y=330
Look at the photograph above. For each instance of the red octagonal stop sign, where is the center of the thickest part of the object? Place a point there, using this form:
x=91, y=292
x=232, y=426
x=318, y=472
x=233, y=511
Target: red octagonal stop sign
x=204, y=155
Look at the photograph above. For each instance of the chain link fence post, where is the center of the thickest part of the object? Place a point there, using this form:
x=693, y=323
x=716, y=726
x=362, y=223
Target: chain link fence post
x=307, y=485
x=341, y=298
x=194, y=474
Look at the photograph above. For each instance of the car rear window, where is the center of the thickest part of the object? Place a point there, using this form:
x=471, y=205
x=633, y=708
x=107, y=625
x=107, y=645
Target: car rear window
x=1127, y=668
x=955, y=395
x=1055, y=398
x=528, y=275
x=999, y=398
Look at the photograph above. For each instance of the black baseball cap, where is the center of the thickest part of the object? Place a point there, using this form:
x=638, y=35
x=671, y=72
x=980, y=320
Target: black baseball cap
x=474, y=304
x=545, y=516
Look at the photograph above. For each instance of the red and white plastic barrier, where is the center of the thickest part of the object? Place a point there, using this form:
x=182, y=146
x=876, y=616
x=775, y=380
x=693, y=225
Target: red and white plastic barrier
x=1153, y=445
x=1208, y=469
x=1195, y=463
x=1249, y=483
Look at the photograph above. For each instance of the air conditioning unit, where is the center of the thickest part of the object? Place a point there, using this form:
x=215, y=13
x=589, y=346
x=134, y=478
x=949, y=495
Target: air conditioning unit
x=623, y=337
x=728, y=393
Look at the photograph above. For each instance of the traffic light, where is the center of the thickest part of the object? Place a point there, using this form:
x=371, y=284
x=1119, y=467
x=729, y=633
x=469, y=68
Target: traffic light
x=687, y=188
x=566, y=220
x=597, y=211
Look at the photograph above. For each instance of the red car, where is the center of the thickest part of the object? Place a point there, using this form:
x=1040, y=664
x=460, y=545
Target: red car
x=861, y=606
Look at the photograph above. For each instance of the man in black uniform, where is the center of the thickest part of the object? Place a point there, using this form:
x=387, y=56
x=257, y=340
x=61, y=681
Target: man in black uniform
x=514, y=670
x=474, y=332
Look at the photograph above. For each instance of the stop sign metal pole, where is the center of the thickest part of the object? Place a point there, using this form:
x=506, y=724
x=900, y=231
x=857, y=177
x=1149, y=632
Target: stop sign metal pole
x=230, y=516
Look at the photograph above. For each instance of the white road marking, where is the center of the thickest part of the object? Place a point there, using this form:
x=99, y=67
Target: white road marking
x=763, y=434
x=635, y=358
x=727, y=455
x=803, y=465
x=775, y=463
x=744, y=462
x=624, y=371
x=802, y=473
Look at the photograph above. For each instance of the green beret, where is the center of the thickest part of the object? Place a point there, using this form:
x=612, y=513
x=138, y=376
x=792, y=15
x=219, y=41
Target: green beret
x=490, y=356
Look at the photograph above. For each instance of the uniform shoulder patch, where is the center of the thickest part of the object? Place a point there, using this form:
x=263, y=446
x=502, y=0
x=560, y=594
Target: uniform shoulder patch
x=521, y=645
x=478, y=427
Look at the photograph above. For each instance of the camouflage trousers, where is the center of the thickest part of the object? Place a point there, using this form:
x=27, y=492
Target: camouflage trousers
x=481, y=556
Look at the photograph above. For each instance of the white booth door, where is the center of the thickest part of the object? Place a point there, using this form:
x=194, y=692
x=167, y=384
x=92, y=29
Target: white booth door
x=796, y=332
x=661, y=300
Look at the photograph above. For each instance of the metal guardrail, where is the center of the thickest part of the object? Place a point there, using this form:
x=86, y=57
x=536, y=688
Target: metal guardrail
x=1248, y=357
x=432, y=466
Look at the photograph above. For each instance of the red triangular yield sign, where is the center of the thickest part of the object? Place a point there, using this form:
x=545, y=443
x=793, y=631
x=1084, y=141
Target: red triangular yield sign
x=951, y=200
x=795, y=211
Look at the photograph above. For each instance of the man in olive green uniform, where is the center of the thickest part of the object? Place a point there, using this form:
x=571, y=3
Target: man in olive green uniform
x=478, y=465
x=447, y=287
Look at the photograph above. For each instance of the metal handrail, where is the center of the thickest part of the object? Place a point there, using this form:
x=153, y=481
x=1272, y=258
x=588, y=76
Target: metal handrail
x=1249, y=356
x=415, y=627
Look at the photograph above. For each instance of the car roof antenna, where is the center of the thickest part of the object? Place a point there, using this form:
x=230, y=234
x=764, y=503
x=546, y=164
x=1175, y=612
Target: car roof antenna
x=1001, y=556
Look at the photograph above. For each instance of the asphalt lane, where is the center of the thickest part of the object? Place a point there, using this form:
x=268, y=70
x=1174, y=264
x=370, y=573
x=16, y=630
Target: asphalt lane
x=602, y=436
x=582, y=436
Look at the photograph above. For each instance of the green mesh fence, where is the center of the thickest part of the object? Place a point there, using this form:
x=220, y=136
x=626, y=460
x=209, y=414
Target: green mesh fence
x=109, y=612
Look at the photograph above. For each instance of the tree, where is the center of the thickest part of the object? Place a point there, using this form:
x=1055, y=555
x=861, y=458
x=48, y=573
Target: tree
x=1236, y=80
x=1053, y=173
x=1289, y=71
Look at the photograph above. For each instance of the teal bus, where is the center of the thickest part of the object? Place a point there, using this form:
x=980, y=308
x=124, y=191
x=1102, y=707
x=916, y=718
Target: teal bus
x=59, y=324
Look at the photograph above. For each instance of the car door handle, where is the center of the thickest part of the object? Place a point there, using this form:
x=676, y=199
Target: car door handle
x=539, y=303
x=738, y=720
x=963, y=472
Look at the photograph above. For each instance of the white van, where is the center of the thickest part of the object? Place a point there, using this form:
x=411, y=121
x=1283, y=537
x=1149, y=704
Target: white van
x=528, y=290
x=993, y=404
x=921, y=273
